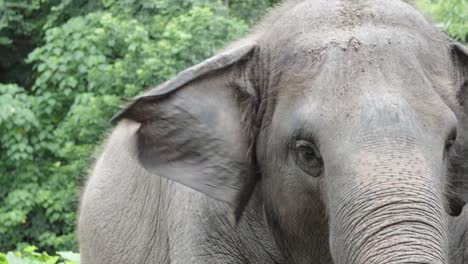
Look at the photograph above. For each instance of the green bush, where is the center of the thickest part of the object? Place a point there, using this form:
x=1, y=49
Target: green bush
x=451, y=14
x=29, y=255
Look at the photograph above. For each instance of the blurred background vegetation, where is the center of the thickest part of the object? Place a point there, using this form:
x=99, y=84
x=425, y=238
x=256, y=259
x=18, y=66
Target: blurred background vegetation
x=65, y=65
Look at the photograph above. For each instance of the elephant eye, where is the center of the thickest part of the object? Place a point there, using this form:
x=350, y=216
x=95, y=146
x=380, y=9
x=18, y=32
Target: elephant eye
x=450, y=141
x=308, y=158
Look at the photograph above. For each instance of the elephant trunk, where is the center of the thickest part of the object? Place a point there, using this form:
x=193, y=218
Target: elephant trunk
x=391, y=210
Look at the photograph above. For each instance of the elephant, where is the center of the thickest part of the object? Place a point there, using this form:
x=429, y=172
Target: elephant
x=336, y=131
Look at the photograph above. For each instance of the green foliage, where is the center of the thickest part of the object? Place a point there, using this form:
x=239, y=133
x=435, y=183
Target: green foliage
x=29, y=255
x=249, y=10
x=22, y=24
x=79, y=60
x=452, y=14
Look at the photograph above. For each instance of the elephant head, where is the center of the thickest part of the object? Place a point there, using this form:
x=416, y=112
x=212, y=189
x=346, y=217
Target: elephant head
x=349, y=116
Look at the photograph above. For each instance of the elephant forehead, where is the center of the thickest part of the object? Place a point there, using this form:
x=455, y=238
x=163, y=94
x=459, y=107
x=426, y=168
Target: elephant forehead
x=401, y=51
x=335, y=106
x=305, y=16
x=311, y=30
x=384, y=113
x=370, y=75
x=374, y=38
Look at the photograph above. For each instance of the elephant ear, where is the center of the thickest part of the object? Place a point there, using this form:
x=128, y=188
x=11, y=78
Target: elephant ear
x=459, y=166
x=198, y=128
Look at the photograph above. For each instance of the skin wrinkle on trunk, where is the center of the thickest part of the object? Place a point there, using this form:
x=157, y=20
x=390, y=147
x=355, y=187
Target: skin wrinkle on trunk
x=416, y=239
x=375, y=232
x=363, y=219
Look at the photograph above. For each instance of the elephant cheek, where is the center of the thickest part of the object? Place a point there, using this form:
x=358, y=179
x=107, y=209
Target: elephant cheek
x=388, y=210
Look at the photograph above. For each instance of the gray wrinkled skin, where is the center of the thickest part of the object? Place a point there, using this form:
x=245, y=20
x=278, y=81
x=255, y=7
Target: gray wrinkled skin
x=210, y=167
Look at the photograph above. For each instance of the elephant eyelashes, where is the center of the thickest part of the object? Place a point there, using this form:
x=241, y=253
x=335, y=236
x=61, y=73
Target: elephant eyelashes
x=308, y=158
